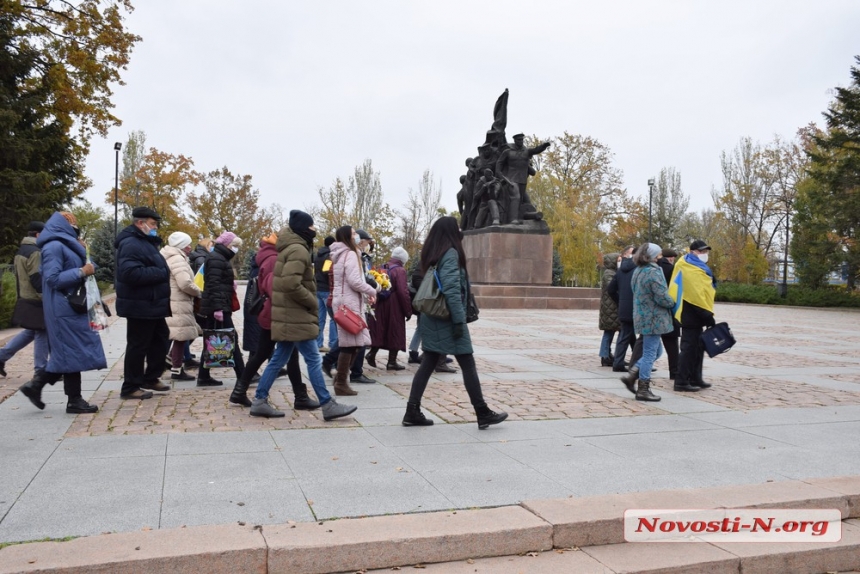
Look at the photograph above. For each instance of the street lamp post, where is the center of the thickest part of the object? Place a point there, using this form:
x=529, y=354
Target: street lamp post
x=117, y=146
x=650, y=195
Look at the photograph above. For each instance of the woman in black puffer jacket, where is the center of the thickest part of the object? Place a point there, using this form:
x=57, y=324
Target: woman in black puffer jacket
x=216, y=305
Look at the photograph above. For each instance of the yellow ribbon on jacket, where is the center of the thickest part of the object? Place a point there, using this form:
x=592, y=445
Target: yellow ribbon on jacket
x=691, y=284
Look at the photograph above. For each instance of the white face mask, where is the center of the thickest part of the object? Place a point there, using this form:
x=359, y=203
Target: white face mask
x=234, y=249
x=356, y=239
x=703, y=257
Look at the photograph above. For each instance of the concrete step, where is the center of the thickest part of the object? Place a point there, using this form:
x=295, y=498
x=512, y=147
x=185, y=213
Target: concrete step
x=535, y=297
x=561, y=535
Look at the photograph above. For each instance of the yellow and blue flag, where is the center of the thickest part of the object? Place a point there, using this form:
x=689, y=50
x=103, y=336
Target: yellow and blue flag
x=692, y=281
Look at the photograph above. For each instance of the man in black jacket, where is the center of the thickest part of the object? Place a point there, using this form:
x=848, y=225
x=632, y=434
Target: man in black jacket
x=621, y=292
x=670, y=340
x=28, y=311
x=143, y=298
x=322, y=264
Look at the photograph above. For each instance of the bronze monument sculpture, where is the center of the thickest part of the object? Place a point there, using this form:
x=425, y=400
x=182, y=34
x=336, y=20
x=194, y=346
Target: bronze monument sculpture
x=493, y=189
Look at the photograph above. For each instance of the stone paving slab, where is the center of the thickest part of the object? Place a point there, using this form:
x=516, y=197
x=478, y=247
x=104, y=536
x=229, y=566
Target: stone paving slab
x=574, y=430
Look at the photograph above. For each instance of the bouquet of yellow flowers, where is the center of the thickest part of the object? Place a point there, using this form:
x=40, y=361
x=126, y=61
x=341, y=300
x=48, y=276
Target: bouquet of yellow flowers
x=382, y=279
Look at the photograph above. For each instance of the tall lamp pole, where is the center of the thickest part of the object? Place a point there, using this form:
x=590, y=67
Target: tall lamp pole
x=783, y=292
x=650, y=195
x=117, y=146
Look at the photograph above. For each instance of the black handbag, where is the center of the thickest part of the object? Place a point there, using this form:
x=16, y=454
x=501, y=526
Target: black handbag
x=254, y=298
x=472, y=310
x=77, y=298
x=718, y=339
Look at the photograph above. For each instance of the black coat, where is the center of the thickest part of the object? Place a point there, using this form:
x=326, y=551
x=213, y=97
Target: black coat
x=142, y=276
x=667, y=267
x=218, y=282
x=621, y=291
x=197, y=257
x=323, y=255
x=251, y=331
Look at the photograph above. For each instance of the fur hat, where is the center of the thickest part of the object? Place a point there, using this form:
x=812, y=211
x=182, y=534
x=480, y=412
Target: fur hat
x=179, y=240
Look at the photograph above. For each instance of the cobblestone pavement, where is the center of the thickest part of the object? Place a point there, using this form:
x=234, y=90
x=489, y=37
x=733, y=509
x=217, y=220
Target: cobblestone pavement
x=536, y=365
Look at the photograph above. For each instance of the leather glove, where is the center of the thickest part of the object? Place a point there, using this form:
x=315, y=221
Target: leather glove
x=458, y=330
x=219, y=315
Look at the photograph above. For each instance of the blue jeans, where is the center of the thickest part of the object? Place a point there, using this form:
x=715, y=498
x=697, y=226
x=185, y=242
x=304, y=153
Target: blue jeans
x=415, y=343
x=310, y=352
x=322, y=297
x=652, y=349
x=24, y=338
x=606, y=344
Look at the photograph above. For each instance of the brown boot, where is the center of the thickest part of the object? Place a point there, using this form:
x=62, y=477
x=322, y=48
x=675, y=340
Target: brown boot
x=341, y=384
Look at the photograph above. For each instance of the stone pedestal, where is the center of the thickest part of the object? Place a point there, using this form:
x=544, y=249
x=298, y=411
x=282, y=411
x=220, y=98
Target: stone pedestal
x=510, y=254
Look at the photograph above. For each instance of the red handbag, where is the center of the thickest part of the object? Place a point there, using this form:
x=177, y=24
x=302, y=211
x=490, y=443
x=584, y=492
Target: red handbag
x=349, y=320
x=234, y=303
x=346, y=318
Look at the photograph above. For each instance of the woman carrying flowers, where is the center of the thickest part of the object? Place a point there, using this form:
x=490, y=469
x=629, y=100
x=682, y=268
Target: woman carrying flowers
x=392, y=312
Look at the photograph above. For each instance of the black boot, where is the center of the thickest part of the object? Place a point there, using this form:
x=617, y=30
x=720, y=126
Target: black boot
x=303, y=401
x=605, y=361
x=78, y=405
x=371, y=357
x=630, y=380
x=239, y=396
x=644, y=393
x=486, y=417
x=393, y=365
x=413, y=358
x=414, y=417
x=32, y=389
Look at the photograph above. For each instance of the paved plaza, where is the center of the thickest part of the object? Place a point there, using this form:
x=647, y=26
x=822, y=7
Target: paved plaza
x=785, y=404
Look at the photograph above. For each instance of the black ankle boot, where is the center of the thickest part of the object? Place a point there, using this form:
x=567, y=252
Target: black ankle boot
x=630, y=380
x=486, y=417
x=239, y=396
x=303, y=401
x=78, y=405
x=413, y=358
x=644, y=393
x=32, y=389
x=371, y=357
x=414, y=417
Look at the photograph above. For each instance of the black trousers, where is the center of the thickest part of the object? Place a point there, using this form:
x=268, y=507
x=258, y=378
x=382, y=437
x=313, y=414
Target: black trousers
x=145, y=352
x=625, y=340
x=691, y=357
x=356, y=369
x=470, y=377
x=670, y=343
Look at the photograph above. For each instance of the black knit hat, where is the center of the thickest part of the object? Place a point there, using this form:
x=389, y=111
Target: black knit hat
x=300, y=221
x=35, y=227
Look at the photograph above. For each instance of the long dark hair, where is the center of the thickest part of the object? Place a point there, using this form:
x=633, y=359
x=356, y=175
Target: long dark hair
x=444, y=235
x=344, y=235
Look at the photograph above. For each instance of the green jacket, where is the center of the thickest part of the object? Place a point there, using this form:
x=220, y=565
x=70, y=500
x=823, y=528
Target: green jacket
x=294, y=291
x=437, y=335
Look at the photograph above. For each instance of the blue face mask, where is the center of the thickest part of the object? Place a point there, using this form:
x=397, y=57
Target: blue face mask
x=153, y=232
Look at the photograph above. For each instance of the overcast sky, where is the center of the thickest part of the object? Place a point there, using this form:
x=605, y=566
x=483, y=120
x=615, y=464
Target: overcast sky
x=296, y=94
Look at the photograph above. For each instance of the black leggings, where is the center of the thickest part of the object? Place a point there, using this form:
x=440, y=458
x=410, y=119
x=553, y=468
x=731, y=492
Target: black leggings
x=470, y=377
x=265, y=347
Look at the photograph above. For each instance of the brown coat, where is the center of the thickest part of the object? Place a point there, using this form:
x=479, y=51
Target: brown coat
x=294, y=291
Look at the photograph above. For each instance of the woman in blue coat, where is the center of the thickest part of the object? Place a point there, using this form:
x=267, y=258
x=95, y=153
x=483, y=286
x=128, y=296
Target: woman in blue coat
x=444, y=250
x=74, y=347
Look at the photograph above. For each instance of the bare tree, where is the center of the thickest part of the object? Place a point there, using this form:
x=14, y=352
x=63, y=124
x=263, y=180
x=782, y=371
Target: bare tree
x=669, y=204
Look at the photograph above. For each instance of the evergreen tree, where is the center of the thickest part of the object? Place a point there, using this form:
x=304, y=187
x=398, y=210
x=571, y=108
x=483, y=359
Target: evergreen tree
x=38, y=161
x=102, y=251
x=836, y=166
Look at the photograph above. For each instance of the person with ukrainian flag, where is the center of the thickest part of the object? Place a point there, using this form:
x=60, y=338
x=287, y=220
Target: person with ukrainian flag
x=693, y=287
